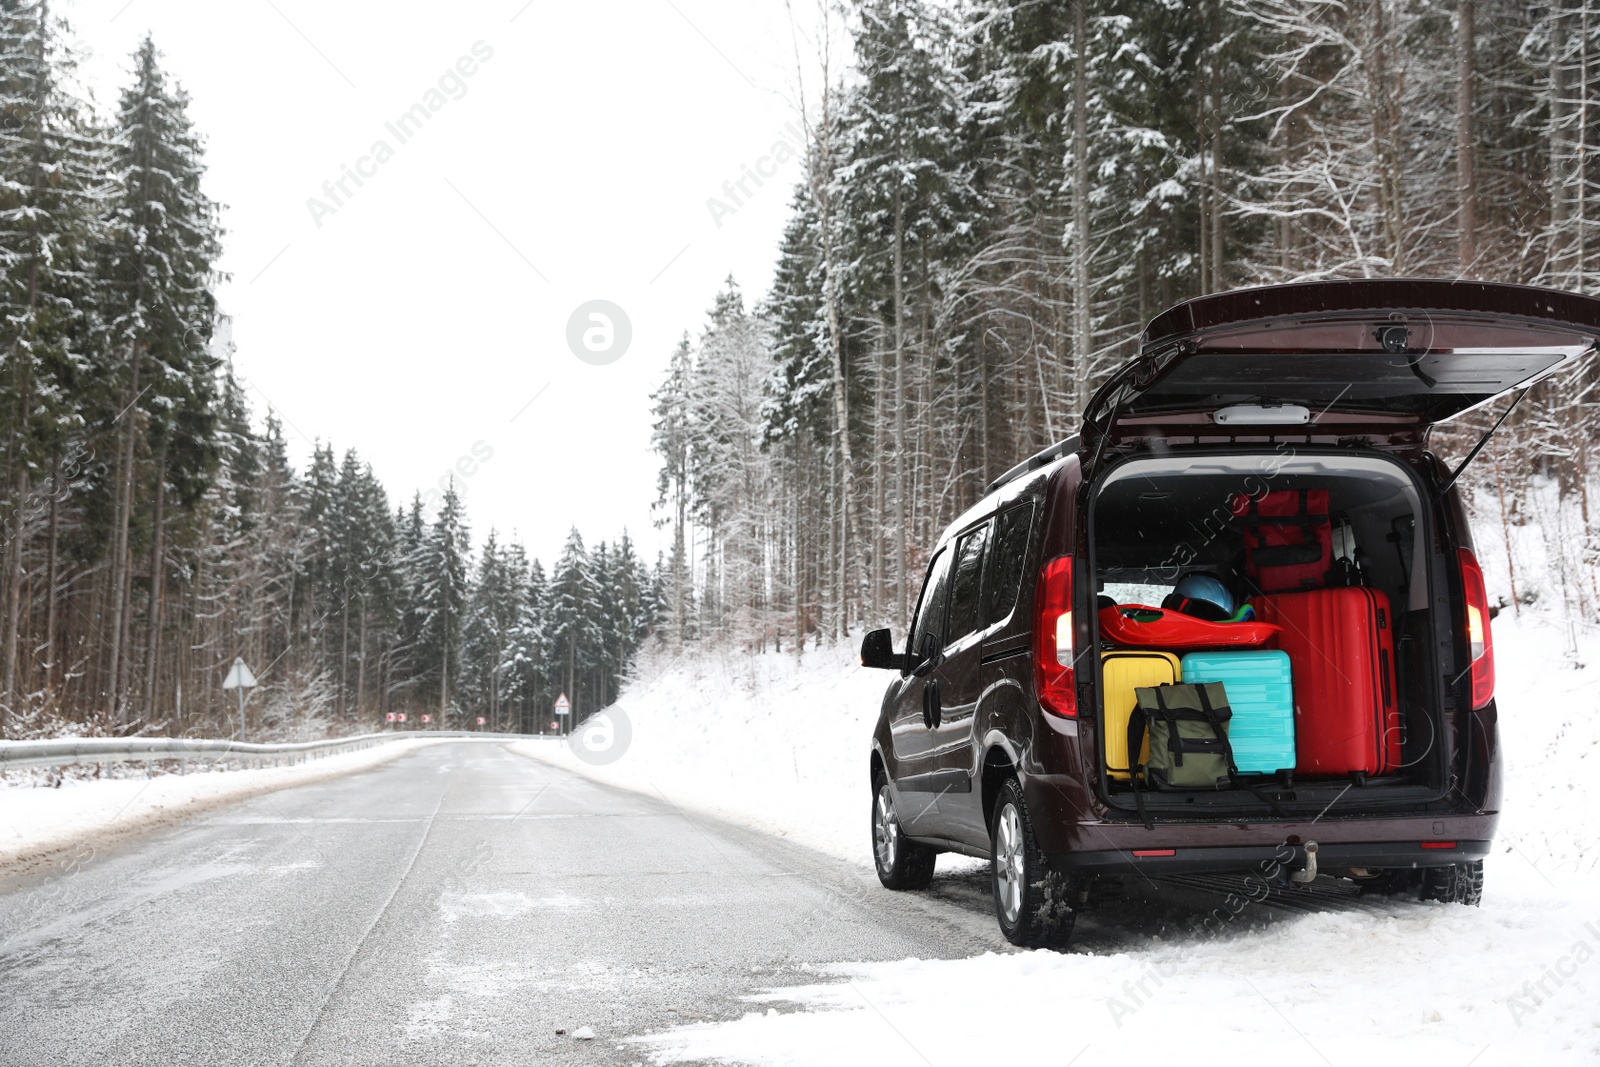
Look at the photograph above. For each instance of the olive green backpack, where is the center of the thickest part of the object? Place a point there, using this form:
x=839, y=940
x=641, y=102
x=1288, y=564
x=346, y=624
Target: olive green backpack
x=1188, y=727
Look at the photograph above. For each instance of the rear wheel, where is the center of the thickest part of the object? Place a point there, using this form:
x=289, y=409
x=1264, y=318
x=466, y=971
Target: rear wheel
x=1459, y=883
x=1032, y=902
x=1456, y=883
x=901, y=862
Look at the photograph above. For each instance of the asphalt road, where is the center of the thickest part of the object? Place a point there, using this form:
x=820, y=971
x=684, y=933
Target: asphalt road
x=458, y=905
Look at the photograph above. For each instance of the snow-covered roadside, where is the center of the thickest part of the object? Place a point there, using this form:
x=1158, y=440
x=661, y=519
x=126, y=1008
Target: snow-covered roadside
x=36, y=822
x=1397, y=984
x=768, y=741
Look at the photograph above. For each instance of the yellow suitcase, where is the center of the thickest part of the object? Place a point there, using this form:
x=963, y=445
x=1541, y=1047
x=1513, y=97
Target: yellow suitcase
x=1121, y=672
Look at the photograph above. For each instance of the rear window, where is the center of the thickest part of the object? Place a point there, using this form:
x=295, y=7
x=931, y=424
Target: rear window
x=1006, y=562
x=1136, y=592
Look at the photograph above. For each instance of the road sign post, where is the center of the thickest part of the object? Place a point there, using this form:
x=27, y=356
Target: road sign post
x=563, y=709
x=240, y=678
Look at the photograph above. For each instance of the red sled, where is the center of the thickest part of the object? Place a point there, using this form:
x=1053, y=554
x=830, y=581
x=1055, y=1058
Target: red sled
x=1141, y=626
x=1341, y=654
x=1288, y=540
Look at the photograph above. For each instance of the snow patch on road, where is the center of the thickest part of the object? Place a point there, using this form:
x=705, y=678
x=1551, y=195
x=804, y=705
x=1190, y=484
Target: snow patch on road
x=500, y=905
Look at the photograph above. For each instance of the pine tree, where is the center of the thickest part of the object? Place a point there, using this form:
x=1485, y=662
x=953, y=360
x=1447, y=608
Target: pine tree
x=733, y=496
x=495, y=608
x=906, y=190
x=361, y=574
x=155, y=276
x=531, y=653
x=670, y=437
x=441, y=597
x=572, y=625
x=52, y=158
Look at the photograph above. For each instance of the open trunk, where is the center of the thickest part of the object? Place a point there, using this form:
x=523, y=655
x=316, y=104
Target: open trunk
x=1158, y=517
x=1328, y=388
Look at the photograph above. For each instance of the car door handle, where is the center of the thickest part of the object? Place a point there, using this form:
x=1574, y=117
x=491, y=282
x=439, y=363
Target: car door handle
x=930, y=704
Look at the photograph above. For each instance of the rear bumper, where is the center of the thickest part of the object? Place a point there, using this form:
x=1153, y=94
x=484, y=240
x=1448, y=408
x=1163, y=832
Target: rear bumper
x=1153, y=862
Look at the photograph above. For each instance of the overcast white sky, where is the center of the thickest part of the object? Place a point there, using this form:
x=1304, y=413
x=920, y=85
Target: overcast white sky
x=431, y=306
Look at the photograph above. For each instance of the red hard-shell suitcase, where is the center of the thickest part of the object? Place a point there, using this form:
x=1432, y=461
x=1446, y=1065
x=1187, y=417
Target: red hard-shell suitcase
x=1341, y=651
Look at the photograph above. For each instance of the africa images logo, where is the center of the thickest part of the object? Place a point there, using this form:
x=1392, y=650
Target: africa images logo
x=451, y=85
x=785, y=148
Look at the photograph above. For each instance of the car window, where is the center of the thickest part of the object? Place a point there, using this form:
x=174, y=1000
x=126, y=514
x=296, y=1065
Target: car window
x=966, y=582
x=930, y=608
x=1006, y=562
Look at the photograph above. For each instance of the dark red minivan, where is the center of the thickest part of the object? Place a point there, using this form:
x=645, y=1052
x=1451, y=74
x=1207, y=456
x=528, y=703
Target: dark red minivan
x=1005, y=735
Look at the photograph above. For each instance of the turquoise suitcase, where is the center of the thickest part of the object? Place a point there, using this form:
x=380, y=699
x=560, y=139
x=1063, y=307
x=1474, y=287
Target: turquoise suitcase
x=1261, y=695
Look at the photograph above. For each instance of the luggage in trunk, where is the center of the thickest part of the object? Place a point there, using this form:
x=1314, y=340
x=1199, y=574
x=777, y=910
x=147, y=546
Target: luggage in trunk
x=1288, y=540
x=1122, y=673
x=1261, y=695
x=1341, y=649
x=1184, y=728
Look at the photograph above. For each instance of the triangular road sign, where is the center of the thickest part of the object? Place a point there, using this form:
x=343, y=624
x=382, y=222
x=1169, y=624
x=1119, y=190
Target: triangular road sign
x=239, y=676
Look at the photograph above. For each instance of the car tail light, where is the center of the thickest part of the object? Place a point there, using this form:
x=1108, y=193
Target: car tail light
x=1052, y=639
x=1437, y=844
x=1480, y=642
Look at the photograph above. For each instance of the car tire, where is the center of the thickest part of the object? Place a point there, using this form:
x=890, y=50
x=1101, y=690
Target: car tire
x=901, y=862
x=1458, y=883
x=1032, y=901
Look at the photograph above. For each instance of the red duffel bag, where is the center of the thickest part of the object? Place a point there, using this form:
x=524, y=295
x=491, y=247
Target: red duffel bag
x=1139, y=626
x=1288, y=540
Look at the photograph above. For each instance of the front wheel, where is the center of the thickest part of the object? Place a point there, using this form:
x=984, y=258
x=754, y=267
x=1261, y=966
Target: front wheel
x=1032, y=901
x=902, y=863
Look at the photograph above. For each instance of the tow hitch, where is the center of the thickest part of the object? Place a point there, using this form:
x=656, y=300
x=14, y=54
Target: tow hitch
x=1309, y=872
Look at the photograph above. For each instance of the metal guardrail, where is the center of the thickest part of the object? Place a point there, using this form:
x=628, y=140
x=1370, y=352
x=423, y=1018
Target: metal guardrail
x=62, y=752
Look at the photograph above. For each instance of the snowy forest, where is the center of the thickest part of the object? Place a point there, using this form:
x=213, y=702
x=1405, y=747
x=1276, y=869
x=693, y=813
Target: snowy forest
x=998, y=195
x=152, y=532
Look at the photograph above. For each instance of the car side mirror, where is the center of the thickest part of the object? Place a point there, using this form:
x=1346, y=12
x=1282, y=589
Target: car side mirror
x=877, y=650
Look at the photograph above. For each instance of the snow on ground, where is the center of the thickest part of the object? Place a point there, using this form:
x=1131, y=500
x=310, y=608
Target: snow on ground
x=84, y=812
x=782, y=745
x=770, y=741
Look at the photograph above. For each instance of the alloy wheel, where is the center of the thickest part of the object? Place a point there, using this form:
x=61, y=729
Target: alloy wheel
x=885, y=830
x=1009, y=862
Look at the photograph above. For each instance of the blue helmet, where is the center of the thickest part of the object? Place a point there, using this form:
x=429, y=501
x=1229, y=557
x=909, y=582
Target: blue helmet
x=1201, y=595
